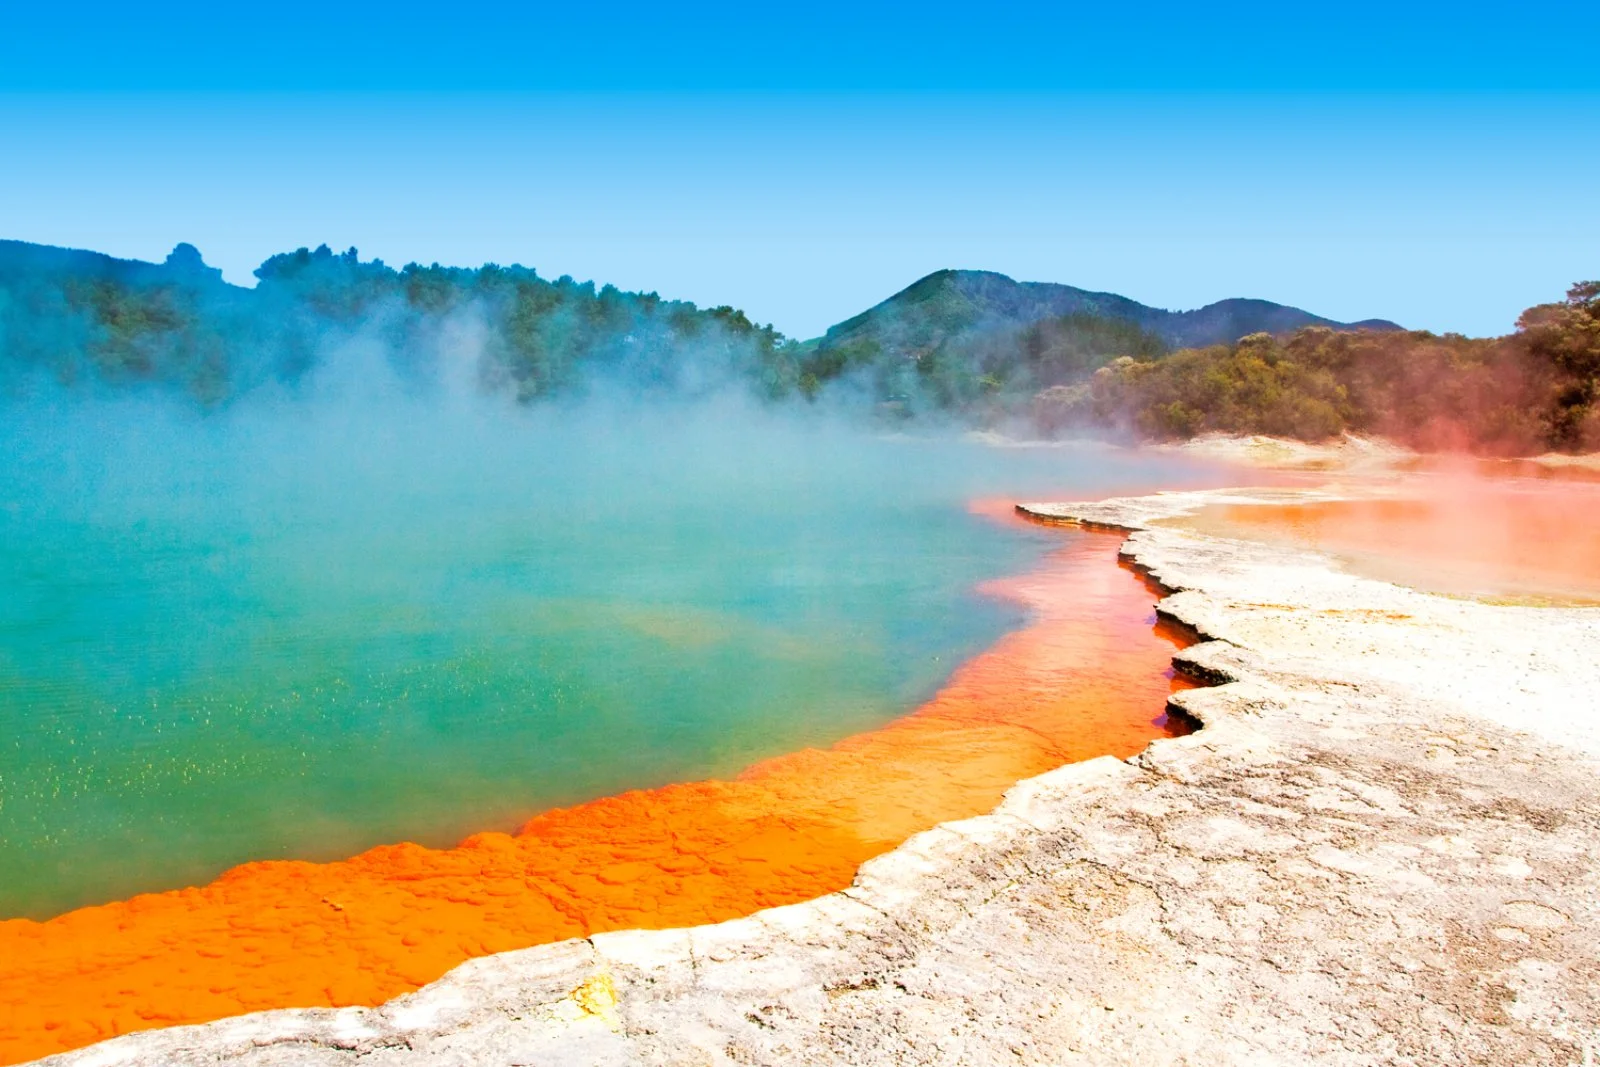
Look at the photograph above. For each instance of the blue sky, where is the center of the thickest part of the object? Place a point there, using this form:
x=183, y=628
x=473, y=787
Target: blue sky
x=1431, y=164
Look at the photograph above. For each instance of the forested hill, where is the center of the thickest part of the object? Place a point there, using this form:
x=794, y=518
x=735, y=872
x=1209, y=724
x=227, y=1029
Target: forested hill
x=89, y=321
x=949, y=303
x=967, y=346
x=22, y=263
x=1533, y=390
x=979, y=342
x=966, y=343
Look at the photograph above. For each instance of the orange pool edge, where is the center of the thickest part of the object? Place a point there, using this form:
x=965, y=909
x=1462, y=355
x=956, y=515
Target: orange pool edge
x=1087, y=676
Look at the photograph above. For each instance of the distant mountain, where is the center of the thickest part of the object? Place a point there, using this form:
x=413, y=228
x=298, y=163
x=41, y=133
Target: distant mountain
x=1228, y=320
x=951, y=302
x=982, y=343
x=969, y=344
x=22, y=263
x=87, y=321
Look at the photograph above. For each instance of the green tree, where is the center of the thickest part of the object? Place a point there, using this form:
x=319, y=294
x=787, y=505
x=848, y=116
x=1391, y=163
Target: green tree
x=1565, y=338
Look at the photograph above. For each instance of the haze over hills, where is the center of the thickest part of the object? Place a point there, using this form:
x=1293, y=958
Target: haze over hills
x=85, y=320
x=980, y=341
x=949, y=302
x=970, y=347
x=966, y=342
x=21, y=261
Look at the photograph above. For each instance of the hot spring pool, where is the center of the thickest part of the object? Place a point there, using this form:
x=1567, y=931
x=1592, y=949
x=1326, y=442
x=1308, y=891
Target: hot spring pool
x=286, y=632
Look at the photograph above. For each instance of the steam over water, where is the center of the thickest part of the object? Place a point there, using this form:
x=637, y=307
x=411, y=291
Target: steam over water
x=300, y=630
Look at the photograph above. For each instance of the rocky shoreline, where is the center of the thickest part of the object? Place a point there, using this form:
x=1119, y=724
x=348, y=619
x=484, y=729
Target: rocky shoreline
x=1379, y=849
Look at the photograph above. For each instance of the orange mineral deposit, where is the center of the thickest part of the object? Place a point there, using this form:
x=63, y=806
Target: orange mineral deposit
x=1088, y=676
x=1452, y=532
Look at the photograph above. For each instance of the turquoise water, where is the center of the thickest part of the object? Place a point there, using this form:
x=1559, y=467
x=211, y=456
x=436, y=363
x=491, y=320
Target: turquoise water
x=300, y=633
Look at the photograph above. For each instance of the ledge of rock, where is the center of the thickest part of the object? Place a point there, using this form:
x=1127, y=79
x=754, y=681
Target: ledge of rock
x=1379, y=849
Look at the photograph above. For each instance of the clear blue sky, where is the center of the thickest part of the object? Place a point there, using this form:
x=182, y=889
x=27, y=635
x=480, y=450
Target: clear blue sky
x=1428, y=163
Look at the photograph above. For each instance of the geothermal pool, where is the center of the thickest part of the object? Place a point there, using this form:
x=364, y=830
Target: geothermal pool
x=1481, y=531
x=297, y=635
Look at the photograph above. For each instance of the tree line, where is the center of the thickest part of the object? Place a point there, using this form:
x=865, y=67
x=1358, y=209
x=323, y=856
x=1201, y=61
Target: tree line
x=1534, y=390
x=82, y=319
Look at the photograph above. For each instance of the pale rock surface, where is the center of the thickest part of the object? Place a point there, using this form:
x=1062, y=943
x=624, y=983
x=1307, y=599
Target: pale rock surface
x=1589, y=461
x=1350, y=452
x=1379, y=850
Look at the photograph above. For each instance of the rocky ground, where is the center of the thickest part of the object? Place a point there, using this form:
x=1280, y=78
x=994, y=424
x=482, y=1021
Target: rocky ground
x=1379, y=849
x=1351, y=452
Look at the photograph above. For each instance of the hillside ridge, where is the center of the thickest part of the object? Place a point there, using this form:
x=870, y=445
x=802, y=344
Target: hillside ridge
x=1004, y=300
